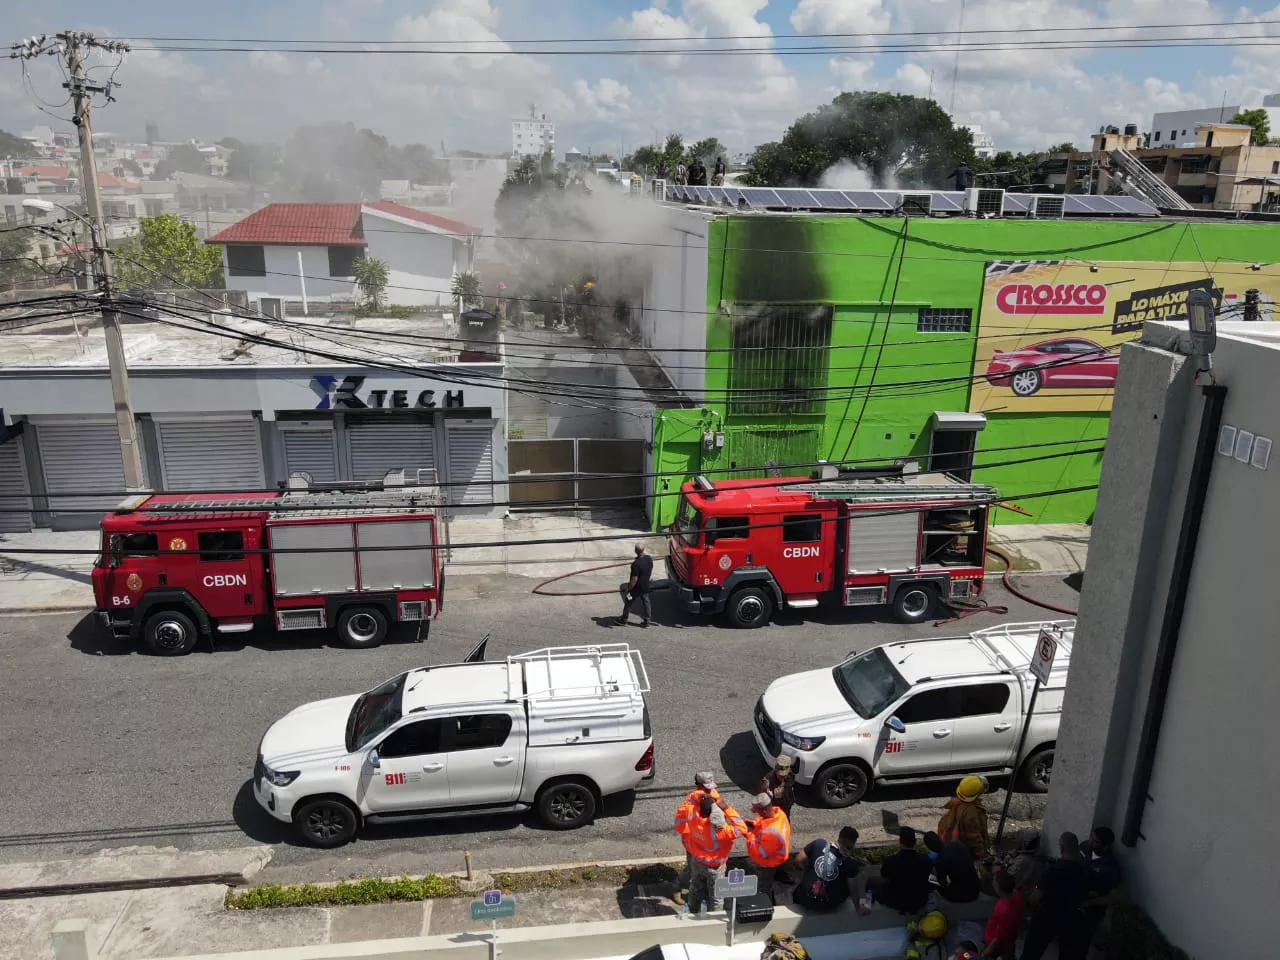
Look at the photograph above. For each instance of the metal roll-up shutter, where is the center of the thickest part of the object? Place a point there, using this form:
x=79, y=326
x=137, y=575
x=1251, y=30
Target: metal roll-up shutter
x=527, y=415
x=379, y=448
x=211, y=454
x=310, y=451
x=470, y=462
x=80, y=456
x=13, y=484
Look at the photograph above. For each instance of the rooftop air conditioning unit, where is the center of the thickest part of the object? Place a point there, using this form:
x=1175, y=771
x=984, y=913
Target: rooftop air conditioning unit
x=1047, y=207
x=984, y=203
x=917, y=204
x=660, y=189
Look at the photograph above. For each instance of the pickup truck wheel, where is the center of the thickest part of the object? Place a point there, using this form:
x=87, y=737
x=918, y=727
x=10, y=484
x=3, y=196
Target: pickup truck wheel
x=326, y=822
x=841, y=784
x=915, y=602
x=170, y=633
x=565, y=806
x=1037, y=769
x=362, y=627
x=749, y=607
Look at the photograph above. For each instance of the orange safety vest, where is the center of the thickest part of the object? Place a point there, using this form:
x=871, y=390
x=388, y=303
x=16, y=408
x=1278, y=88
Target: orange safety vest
x=710, y=846
x=688, y=811
x=769, y=842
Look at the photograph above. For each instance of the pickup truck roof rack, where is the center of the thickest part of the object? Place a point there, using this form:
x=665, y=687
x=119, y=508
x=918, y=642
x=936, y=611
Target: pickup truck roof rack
x=598, y=685
x=1021, y=636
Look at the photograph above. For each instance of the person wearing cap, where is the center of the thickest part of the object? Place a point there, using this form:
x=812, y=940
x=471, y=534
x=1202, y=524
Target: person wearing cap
x=768, y=841
x=965, y=819
x=709, y=838
x=780, y=784
x=704, y=785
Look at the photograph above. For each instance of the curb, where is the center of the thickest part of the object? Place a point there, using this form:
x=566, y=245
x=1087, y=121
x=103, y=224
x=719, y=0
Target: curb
x=116, y=886
x=46, y=608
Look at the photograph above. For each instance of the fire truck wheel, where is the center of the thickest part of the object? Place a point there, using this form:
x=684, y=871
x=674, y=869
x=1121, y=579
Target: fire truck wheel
x=749, y=607
x=170, y=633
x=915, y=602
x=326, y=822
x=842, y=784
x=362, y=627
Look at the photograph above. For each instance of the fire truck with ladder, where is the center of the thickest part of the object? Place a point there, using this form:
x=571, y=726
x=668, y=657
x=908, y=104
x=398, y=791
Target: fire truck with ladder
x=177, y=567
x=747, y=548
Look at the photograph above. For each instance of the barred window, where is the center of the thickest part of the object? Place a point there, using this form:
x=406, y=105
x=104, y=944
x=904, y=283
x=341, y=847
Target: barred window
x=944, y=320
x=1195, y=163
x=780, y=359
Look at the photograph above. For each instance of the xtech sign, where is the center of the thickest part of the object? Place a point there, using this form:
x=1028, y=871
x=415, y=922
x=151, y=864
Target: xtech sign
x=348, y=394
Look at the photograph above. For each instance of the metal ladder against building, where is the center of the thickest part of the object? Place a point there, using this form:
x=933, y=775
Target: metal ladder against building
x=887, y=492
x=1141, y=183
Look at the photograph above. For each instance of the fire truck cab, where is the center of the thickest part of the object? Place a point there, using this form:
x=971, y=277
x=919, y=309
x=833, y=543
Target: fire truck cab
x=178, y=567
x=748, y=548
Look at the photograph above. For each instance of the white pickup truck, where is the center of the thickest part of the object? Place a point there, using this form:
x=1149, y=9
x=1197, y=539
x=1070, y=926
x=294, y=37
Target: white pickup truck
x=557, y=729
x=926, y=709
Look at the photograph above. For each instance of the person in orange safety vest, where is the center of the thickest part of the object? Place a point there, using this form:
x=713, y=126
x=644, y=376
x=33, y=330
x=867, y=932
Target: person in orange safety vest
x=704, y=785
x=768, y=841
x=709, y=839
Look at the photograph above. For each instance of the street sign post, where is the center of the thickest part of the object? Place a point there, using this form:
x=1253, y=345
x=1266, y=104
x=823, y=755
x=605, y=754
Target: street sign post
x=493, y=906
x=735, y=884
x=1042, y=657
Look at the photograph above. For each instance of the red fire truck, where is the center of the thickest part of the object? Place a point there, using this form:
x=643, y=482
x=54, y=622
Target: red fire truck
x=746, y=548
x=178, y=567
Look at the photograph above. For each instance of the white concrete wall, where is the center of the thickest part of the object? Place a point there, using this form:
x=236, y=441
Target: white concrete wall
x=421, y=263
x=1204, y=867
x=282, y=275
x=673, y=315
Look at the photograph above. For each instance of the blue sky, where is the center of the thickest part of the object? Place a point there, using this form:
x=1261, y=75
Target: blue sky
x=1025, y=99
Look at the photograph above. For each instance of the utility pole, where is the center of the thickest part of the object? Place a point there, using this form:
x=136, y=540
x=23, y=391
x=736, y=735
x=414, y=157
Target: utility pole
x=73, y=46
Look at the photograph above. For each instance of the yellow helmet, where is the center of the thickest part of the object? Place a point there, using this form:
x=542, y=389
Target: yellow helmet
x=970, y=788
x=934, y=925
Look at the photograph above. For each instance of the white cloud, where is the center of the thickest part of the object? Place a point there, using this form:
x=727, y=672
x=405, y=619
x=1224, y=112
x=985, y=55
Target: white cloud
x=840, y=16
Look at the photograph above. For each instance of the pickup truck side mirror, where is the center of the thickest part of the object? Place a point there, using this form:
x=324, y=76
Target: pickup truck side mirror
x=896, y=725
x=375, y=761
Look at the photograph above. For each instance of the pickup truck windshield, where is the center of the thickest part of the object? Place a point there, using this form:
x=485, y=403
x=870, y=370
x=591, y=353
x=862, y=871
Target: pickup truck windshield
x=688, y=522
x=373, y=712
x=870, y=683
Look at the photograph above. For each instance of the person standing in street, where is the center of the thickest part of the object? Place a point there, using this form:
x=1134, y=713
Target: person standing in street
x=636, y=589
x=780, y=785
x=704, y=785
x=710, y=838
x=965, y=818
x=768, y=841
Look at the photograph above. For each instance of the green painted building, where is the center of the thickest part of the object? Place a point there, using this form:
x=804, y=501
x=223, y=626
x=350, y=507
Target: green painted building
x=872, y=338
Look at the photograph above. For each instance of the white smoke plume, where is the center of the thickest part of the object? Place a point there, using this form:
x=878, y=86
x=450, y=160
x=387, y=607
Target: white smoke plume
x=847, y=175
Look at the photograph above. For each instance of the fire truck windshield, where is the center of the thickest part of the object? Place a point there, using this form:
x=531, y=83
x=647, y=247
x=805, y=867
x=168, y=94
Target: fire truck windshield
x=688, y=522
x=373, y=712
x=870, y=683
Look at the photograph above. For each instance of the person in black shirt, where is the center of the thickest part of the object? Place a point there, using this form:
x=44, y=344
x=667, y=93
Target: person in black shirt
x=1104, y=883
x=636, y=590
x=830, y=874
x=697, y=173
x=903, y=884
x=954, y=869
x=1056, y=916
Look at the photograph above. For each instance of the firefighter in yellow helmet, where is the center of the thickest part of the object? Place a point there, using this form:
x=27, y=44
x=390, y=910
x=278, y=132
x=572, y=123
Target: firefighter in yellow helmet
x=965, y=819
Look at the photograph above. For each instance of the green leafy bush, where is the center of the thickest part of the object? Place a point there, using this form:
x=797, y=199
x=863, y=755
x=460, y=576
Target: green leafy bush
x=346, y=893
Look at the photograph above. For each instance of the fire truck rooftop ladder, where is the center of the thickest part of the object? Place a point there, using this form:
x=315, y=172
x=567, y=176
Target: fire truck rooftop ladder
x=897, y=490
x=297, y=503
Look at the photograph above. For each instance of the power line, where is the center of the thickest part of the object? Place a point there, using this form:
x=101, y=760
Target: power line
x=657, y=475
x=857, y=516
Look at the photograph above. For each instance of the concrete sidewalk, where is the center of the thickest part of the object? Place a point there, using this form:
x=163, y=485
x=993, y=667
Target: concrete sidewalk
x=61, y=583
x=1059, y=548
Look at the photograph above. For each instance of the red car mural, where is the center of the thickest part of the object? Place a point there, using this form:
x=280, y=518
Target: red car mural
x=1069, y=362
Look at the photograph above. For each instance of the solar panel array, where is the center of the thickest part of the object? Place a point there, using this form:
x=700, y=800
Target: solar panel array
x=888, y=201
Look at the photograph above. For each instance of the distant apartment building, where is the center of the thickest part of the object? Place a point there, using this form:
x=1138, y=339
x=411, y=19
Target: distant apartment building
x=1219, y=168
x=1178, y=128
x=533, y=136
x=983, y=146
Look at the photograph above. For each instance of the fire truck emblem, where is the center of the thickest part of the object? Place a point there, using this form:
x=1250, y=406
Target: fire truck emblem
x=177, y=544
x=133, y=582
x=726, y=562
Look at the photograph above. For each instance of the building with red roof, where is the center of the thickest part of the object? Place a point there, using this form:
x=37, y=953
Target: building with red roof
x=307, y=252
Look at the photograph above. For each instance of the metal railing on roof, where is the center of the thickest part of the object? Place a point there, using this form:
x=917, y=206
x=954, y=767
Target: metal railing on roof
x=636, y=683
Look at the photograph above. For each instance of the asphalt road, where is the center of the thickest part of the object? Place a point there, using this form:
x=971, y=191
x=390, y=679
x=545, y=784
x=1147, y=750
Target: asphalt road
x=104, y=747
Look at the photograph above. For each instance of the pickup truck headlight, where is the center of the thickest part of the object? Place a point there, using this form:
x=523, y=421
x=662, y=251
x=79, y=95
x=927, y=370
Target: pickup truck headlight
x=802, y=743
x=281, y=778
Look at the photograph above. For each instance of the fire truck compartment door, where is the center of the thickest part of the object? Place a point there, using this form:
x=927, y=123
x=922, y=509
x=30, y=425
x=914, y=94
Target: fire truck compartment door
x=883, y=543
x=382, y=568
x=313, y=574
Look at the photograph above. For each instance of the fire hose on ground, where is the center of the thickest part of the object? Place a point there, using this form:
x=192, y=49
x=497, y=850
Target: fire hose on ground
x=962, y=608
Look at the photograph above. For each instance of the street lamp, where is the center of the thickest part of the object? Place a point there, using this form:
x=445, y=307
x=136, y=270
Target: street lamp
x=1203, y=320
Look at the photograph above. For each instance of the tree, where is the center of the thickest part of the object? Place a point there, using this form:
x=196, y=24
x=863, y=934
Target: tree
x=643, y=160
x=15, y=148
x=1008, y=169
x=1065, y=147
x=418, y=163
x=166, y=253
x=466, y=291
x=17, y=260
x=372, y=276
x=896, y=138
x=673, y=151
x=130, y=167
x=707, y=150
x=251, y=163
x=1259, y=120
x=184, y=158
